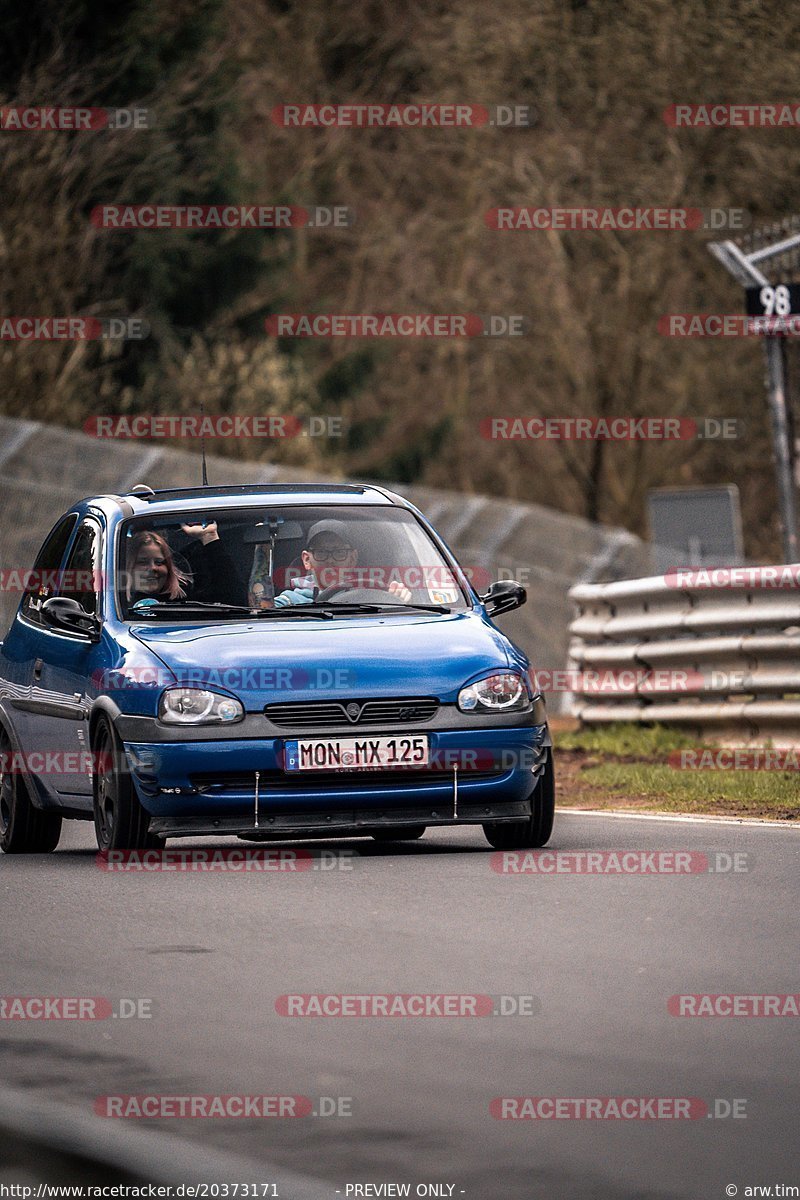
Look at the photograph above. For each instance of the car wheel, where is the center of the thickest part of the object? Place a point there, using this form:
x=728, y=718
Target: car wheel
x=399, y=834
x=523, y=835
x=23, y=828
x=120, y=822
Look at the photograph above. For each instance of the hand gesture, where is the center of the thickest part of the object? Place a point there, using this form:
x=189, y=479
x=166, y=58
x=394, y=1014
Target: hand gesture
x=206, y=533
x=400, y=590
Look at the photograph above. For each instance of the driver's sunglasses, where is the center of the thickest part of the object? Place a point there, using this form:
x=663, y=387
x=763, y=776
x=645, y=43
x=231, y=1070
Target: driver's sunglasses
x=340, y=554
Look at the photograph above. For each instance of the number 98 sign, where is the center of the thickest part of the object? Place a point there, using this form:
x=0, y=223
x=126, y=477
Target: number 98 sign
x=773, y=300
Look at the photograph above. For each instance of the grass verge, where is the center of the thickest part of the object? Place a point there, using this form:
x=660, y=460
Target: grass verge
x=626, y=767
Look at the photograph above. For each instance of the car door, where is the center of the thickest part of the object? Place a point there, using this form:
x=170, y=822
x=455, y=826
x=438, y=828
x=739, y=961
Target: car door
x=63, y=663
x=20, y=647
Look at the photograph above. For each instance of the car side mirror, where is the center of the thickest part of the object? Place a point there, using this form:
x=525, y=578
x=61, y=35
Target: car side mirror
x=64, y=612
x=503, y=596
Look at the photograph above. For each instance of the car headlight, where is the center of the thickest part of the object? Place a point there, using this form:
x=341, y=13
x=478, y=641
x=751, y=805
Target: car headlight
x=196, y=706
x=533, y=682
x=503, y=692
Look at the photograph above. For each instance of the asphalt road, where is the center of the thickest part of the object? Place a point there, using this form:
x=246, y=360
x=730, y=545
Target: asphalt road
x=602, y=955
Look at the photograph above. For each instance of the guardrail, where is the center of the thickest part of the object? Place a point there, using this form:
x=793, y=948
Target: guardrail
x=722, y=660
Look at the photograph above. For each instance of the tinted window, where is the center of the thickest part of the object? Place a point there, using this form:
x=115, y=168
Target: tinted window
x=43, y=583
x=81, y=575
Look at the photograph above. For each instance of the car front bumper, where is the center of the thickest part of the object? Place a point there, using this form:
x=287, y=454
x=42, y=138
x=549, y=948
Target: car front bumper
x=210, y=787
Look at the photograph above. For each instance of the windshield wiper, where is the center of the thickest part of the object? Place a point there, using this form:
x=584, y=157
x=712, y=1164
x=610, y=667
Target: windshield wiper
x=293, y=610
x=323, y=612
x=160, y=607
x=180, y=607
x=442, y=608
x=354, y=606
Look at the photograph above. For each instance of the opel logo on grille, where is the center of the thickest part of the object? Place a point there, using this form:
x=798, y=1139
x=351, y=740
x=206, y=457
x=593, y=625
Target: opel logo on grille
x=353, y=710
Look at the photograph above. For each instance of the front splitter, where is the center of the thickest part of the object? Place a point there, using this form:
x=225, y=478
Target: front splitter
x=339, y=824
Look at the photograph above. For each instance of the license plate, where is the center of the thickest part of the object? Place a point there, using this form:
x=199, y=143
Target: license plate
x=356, y=753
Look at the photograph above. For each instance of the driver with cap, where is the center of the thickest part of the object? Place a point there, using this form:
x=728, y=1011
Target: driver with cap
x=328, y=545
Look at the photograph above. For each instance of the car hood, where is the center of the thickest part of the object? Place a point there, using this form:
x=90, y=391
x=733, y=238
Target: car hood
x=268, y=661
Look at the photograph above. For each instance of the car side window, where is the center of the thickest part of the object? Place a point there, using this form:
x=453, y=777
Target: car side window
x=44, y=577
x=81, y=575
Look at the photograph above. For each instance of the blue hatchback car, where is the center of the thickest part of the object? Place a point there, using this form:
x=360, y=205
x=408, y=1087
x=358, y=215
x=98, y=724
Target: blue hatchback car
x=275, y=661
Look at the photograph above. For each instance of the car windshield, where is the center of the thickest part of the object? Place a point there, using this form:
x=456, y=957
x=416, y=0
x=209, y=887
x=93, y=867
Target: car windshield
x=217, y=564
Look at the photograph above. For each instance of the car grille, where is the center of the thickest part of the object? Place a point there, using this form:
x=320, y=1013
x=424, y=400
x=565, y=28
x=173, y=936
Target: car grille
x=345, y=781
x=322, y=714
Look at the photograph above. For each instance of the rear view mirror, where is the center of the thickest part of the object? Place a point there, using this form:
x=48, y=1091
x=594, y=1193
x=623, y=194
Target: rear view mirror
x=274, y=529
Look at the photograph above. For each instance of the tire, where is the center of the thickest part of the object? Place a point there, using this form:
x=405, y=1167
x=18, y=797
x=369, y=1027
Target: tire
x=120, y=822
x=23, y=828
x=399, y=834
x=524, y=835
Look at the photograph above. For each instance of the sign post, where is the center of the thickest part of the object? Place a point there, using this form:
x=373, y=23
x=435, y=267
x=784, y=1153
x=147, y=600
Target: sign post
x=773, y=301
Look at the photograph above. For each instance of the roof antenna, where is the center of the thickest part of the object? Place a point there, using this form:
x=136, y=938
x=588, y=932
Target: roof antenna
x=203, y=442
